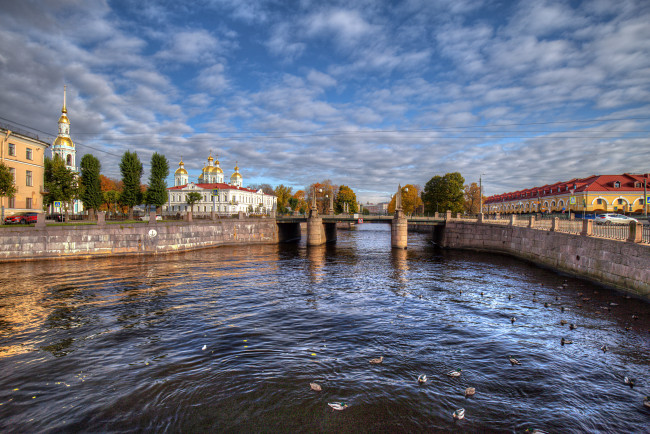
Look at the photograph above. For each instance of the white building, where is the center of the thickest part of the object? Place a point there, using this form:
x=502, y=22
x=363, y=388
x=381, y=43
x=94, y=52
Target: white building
x=64, y=147
x=217, y=196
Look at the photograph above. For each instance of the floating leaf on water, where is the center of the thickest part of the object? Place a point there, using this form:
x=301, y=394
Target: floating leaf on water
x=313, y=354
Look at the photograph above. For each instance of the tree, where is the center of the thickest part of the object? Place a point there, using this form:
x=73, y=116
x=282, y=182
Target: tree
x=472, y=198
x=131, y=169
x=59, y=182
x=323, y=190
x=444, y=193
x=91, y=195
x=344, y=196
x=7, y=186
x=192, y=198
x=410, y=200
x=283, y=194
x=157, y=190
x=301, y=202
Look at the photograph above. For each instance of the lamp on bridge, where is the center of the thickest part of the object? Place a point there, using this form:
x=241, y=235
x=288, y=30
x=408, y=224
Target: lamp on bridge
x=330, y=195
x=314, y=209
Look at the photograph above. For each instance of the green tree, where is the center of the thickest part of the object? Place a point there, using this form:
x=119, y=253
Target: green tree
x=131, y=169
x=91, y=195
x=7, y=186
x=344, y=196
x=192, y=198
x=444, y=193
x=293, y=203
x=59, y=182
x=112, y=199
x=284, y=195
x=410, y=200
x=157, y=190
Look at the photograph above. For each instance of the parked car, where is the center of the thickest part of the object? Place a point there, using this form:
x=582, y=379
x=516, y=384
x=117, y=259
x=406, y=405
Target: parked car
x=609, y=219
x=22, y=218
x=56, y=217
x=145, y=218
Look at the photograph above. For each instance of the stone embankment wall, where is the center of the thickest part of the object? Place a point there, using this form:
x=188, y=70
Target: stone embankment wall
x=620, y=264
x=85, y=241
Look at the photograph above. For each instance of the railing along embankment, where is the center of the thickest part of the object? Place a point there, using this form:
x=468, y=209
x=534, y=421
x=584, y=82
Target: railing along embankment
x=613, y=255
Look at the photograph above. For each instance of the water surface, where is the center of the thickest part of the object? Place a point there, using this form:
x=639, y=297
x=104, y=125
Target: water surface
x=117, y=344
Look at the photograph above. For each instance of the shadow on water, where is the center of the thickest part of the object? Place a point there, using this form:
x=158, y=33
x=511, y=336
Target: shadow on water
x=229, y=339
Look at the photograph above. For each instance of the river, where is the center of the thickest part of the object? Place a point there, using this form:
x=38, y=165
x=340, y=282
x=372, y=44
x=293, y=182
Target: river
x=229, y=340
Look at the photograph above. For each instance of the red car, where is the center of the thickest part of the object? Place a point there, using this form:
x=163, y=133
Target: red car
x=23, y=218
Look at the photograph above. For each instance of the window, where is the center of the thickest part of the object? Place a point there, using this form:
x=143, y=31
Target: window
x=599, y=201
x=28, y=178
x=13, y=173
x=617, y=184
x=28, y=203
x=637, y=184
x=12, y=150
x=28, y=153
x=620, y=202
x=12, y=202
x=69, y=160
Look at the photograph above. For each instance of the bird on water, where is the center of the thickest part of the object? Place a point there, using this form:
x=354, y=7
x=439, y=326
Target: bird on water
x=338, y=405
x=377, y=360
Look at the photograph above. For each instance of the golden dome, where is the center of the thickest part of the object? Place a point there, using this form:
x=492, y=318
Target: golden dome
x=181, y=169
x=64, y=119
x=63, y=141
x=217, y=169
x=210, y=157
x=209, y=169
x=235, y=175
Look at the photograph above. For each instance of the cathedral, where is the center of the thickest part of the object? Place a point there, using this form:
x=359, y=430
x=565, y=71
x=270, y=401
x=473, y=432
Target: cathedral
x=64, y=148
x=217, y=195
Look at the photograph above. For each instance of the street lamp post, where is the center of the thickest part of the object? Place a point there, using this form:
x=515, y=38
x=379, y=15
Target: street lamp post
x=480, y=193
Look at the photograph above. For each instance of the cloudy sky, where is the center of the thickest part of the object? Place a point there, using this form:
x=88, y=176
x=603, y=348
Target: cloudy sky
x=366, y=93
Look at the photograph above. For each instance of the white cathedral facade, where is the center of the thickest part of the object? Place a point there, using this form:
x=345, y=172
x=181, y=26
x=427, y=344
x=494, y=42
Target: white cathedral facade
x=216, y=195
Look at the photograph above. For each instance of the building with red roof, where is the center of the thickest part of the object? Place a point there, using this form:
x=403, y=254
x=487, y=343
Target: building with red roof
x=217, y=196
x=597, y=193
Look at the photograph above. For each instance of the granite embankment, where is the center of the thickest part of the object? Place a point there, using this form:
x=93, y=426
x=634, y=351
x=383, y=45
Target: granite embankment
x=85, y=241
x=621, y=264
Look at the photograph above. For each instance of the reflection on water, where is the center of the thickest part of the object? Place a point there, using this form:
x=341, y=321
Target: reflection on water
x=117, y=344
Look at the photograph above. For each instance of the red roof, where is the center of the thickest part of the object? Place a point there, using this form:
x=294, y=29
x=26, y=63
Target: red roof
x=627, y=182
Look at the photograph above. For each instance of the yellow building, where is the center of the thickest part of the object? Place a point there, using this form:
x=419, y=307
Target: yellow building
x=596, y=194
x=24, y=154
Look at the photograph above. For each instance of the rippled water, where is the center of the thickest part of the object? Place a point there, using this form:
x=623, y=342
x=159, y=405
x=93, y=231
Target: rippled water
x=116, y=344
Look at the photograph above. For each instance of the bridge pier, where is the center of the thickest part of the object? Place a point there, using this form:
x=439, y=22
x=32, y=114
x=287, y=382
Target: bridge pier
x=315, y=230
x=399, y=231
x=399, y=225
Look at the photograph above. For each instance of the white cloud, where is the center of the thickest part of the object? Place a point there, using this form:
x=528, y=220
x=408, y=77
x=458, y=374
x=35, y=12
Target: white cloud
x=320, y=79
x=213, y=79
x=193, y=46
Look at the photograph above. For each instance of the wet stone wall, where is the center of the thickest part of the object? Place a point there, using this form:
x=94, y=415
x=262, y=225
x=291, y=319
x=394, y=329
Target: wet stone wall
x=620, y=264
x=55, y=242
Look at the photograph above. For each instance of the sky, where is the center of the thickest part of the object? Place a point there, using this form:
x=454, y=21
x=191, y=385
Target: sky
x=367, y=93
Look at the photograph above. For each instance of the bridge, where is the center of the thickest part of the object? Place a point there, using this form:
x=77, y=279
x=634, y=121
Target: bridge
x=321, y=229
